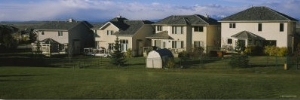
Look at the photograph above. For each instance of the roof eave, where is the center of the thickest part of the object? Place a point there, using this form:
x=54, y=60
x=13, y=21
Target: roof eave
x=222, y=21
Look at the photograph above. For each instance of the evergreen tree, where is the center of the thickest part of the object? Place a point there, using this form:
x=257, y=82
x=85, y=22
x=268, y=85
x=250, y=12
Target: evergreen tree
x=117, y=57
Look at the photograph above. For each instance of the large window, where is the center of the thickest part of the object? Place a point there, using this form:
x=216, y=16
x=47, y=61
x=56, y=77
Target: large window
x=60, y=33
x=259, y=27
x=198, y=44
x=158, y=28
x=177, y=30
x=231, y=25
x=124, y=45
x=198, y=28
x=281, y=27
x=109, y=32
x=177, y=44
x=110, y=46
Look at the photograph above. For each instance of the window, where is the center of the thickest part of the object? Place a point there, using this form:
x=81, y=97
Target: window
x=43, y=33
x=110, y=46
x=158, y=28
x=177, y=44
x=259, y=27
x=270, y=43
x=231, y=25
x=109, y=32
x=229, y=41
x=281, y=27
x=164, y=44
x=60, y=33
x=198, y=44
x=177, y=30
x=157, y=43
x=198, y=28
x=124, y=45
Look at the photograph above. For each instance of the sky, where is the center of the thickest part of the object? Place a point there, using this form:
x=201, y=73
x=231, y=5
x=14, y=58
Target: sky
x=103, y=10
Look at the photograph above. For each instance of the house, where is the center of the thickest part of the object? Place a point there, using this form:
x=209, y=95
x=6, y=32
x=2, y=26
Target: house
x=258, y=26
x=185, y=32
x=131, y=34
x=69, y=37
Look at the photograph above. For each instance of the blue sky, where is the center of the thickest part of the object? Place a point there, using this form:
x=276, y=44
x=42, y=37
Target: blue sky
x=102, y=10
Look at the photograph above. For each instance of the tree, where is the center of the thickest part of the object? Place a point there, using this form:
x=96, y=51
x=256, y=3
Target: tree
x=6, y=39
x=117, y=57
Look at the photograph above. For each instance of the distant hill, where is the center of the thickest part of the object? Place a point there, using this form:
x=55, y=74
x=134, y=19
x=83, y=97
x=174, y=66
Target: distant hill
x=24, y=25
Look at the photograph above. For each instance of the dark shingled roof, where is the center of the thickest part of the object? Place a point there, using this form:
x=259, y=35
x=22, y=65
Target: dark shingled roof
x=127, y=27
x=260, y=13
x=63, y=25
x=247, y=35
x=187, y=20
x=160, y=35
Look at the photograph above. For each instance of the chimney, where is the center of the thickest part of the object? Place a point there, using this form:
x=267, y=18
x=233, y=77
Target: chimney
x=206, y=15
x=71, y=20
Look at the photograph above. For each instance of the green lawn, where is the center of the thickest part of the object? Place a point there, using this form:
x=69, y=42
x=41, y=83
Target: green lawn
x=137, y=82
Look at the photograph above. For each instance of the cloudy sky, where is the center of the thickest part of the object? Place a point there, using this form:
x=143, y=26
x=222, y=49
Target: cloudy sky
x=102, y=10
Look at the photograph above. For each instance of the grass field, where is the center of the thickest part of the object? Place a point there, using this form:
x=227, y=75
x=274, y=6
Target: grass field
x=137, y=82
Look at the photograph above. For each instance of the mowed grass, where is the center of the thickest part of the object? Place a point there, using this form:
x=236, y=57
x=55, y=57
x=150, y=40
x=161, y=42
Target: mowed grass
x=137, y=82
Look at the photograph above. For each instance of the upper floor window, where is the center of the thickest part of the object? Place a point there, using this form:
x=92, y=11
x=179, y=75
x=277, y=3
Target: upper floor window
x=259, y=27
x=109, y=32
x=158, y=28
x=177, y=44
x=281, y=27
x=42, y=33
x=60, y=33
x=198, y=28
x=231, y=25
x=177, y=30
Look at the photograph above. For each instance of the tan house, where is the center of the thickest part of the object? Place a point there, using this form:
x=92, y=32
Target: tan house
x=131, y=34
x=63, y=37
x=258, y=26
x=184, y=32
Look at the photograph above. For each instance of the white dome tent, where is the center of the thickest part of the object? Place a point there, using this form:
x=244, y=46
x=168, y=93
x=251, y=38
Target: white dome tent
x=158, y=58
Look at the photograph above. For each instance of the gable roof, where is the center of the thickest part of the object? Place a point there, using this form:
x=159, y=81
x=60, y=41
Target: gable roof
x=130, y=27
x=247, y=35
x=160, y=35
x=62, y=25
x=125, y=26
x=187, y=20
x=259, y=13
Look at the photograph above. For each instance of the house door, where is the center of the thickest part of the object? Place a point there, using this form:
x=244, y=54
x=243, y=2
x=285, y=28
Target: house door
x=240, y=45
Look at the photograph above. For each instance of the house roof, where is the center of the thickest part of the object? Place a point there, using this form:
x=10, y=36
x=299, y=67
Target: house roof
x=259, y=13
x=247, y=35
x=160, y=35
x=125, y=26
x=49, y=41
x=62, y=25
x=187, y=20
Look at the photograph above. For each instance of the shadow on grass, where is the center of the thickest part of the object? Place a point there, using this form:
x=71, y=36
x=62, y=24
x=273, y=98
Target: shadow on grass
x=193, y=62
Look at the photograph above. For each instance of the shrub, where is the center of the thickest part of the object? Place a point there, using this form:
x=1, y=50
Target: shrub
x=239, y=61
x=170, y=63
x=253, y=50
x=275, y=51
x=197, y=52
x=128, y=53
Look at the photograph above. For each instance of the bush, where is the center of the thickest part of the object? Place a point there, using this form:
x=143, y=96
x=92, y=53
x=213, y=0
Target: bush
x=253, y=50
x=128, y=53
x=275, y=51
x=170, y=63
x=197, y=52
x=239, y=61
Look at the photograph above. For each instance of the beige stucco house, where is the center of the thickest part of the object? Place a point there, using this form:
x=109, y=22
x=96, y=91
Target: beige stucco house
x=259, y=26
x=184, y=32
x=64, y=37
x=131, y=34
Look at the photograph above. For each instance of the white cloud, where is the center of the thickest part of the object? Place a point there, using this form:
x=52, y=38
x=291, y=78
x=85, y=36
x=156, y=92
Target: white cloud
x=106, y=9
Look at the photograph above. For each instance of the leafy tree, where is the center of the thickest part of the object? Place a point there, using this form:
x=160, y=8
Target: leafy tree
x=6, y=39
x=117, y=57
